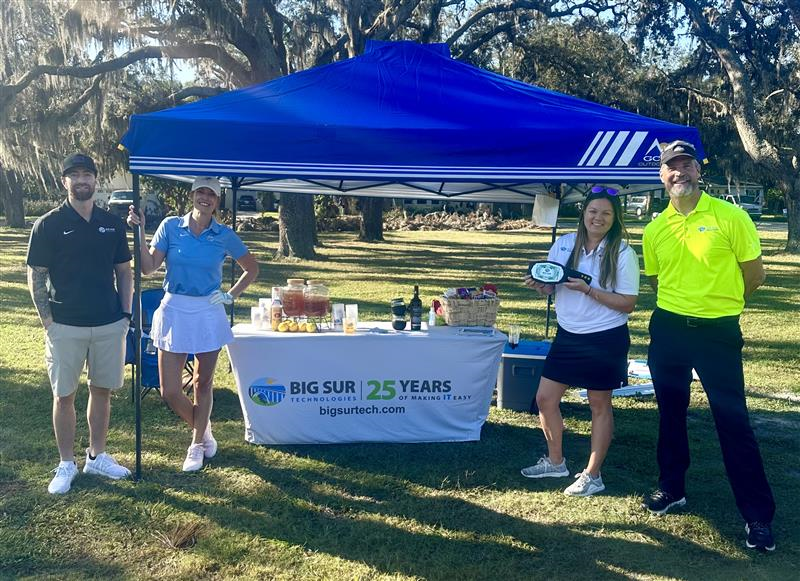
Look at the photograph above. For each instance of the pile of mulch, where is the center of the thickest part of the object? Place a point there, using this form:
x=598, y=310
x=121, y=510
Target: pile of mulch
x=257, y=224
x=454, y=221
x=399, y=222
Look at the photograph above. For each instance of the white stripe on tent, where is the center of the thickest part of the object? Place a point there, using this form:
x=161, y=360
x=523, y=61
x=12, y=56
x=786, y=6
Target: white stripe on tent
x=589, y=174
x=589, y=149
x=612, y=151
x=600, y=148
x=167, y=161
x=633, y=147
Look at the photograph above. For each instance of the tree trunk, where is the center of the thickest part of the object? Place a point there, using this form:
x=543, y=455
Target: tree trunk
x=297, y=227
x=12, y=198
x=371, y=220
x=793, y=221
x=268, y=202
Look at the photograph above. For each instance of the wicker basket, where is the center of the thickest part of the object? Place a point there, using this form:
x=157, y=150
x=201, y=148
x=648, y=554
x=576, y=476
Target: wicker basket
x=470, y=312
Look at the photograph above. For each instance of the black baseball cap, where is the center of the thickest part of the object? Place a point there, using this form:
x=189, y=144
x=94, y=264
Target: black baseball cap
x=78, y=160
x=677, y=149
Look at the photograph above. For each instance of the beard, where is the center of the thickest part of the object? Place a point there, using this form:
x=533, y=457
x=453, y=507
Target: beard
x=82, y=193
x=683, y=190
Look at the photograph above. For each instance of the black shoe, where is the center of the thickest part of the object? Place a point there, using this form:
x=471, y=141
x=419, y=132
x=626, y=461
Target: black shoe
x=661, y=502
x=759, y=536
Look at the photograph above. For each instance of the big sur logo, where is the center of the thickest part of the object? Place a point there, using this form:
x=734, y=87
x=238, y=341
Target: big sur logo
x=267, y=391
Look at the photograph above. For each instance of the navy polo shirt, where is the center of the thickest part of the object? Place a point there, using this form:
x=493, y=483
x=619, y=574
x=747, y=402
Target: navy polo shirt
x=80, y=257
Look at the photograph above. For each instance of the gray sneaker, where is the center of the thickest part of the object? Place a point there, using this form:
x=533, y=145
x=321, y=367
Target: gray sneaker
x=585, y=485
x=546, y=469
x=105, y=465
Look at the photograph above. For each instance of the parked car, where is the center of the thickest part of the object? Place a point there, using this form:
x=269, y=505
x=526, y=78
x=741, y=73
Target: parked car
x=120, y=200
x=750, y=204
x=637, y=205
x=246, y=202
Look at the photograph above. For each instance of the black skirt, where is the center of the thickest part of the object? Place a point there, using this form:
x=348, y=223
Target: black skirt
x=597, y=361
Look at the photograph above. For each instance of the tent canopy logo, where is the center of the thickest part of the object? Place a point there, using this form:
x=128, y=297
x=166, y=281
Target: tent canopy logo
x=267, y=391
x=618, y=149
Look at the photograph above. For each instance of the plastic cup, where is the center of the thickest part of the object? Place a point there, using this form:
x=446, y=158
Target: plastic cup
x=513, y=335
x=337, y=314
x=256, y=314
x=350, y=319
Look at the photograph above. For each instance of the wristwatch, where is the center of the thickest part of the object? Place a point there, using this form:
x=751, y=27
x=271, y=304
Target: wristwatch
x=129, y=315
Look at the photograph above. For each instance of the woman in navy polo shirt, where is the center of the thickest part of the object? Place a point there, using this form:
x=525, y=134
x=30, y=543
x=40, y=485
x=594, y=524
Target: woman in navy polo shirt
x=591, y=345
x=191, y=317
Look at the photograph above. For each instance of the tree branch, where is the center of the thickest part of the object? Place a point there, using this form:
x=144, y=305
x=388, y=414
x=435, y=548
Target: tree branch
x=214, y=52
x=742, y=108
x=544, y=7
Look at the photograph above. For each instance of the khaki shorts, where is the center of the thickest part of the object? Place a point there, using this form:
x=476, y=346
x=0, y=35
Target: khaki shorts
x=101, y=349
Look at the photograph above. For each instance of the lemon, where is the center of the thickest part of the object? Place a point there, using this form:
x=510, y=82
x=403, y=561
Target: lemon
x=311, y=328
x=294, y=327
x=283, y=327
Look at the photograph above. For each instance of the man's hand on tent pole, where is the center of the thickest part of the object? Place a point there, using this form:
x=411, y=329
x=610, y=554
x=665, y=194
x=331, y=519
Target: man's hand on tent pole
x=135, y=218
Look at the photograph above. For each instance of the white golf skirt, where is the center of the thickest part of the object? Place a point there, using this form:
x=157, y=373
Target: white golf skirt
x=184, y=324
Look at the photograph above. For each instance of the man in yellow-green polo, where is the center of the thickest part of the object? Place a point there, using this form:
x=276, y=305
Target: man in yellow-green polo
x=703, y=258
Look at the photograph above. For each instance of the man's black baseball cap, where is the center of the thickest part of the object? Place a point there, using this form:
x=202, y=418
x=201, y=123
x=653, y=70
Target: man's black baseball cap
x=77, y=160
x=677, y=149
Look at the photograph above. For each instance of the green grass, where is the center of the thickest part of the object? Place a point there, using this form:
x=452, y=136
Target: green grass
x=434, y=511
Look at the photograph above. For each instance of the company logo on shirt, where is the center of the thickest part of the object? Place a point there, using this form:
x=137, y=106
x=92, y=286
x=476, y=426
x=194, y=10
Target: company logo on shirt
x=707, y=228
x=104, y=229
x=267, y=392
x=619, y=149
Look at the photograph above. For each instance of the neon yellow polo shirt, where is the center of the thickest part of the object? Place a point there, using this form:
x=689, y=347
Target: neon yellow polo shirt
x=696, y=257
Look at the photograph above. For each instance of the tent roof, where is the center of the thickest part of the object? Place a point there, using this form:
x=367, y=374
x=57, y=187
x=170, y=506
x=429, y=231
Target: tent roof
x=401, y=120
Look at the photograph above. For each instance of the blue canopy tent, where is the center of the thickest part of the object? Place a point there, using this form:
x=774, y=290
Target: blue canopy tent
x=402, y=120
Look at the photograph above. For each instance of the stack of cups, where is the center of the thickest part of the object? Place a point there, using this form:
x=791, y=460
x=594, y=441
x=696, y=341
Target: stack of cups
x=265, y=305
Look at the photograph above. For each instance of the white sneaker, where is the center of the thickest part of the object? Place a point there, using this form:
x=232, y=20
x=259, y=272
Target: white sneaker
x=105, y=465
x=585, y=485
x=194, y=458
x=209, y=443
x=65, y=473
x=546, y=469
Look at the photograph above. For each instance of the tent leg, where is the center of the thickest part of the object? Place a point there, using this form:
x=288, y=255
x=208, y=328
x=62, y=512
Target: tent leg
x=552, y=241
x=235, y=192
x=137, y=322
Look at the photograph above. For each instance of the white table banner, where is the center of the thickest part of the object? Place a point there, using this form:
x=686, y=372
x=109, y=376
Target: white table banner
x=374, y=386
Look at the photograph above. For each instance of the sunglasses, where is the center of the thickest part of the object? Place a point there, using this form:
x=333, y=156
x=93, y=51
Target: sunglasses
x=602, y=189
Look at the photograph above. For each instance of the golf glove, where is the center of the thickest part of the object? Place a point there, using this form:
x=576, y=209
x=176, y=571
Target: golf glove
x=218, y=297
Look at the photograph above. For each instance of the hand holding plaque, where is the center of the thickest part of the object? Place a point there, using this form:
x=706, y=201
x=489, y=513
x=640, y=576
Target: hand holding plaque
x=549, y=272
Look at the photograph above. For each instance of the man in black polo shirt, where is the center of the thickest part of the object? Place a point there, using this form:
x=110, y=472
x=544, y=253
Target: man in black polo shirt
x=79, y=276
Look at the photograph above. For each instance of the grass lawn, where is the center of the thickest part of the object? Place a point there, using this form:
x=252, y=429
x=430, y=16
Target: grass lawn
x=418, y=511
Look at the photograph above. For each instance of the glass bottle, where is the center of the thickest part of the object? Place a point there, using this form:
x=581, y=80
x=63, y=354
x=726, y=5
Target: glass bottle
x=292, y=297
x=315, y=298
x=415, y=308
x=276, y=314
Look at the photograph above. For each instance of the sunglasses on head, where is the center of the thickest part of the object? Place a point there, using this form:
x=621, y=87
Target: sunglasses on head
x=603, y=189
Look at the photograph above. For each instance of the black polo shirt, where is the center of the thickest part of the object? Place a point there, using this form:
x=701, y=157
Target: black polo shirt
x=80, y=257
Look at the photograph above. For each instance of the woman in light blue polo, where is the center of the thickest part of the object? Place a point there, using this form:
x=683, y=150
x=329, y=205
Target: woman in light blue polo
x=191, y=317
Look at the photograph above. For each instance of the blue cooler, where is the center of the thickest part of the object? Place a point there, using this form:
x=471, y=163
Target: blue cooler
x=519, y=374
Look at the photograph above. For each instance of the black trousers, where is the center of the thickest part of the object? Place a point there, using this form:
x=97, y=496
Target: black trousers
x=714, y=349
